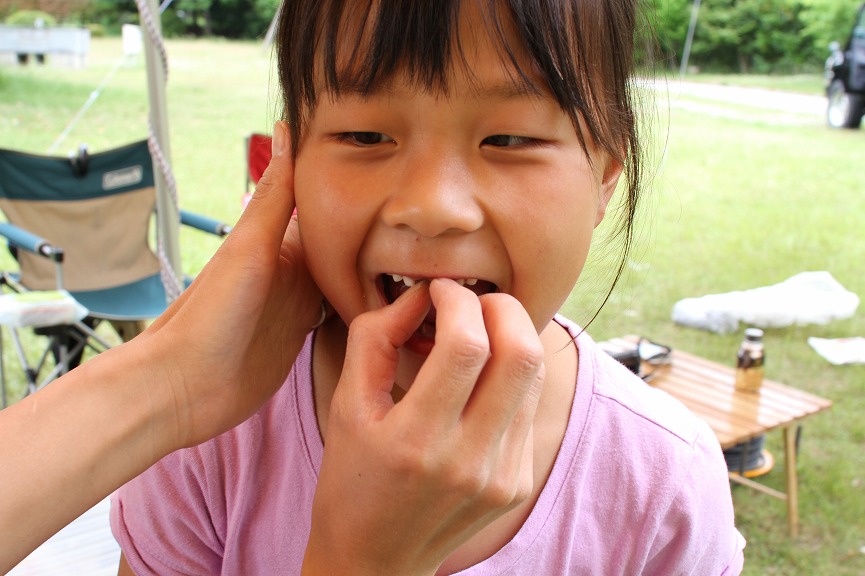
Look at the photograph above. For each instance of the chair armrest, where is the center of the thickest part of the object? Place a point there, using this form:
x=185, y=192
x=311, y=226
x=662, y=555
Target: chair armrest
x=204, y=223
x=30, y=242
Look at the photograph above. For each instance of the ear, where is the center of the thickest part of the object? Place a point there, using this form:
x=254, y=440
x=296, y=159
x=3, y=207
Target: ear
x=612, y=169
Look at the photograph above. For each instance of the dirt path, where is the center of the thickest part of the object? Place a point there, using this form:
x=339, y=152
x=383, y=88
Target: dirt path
x=743, y=103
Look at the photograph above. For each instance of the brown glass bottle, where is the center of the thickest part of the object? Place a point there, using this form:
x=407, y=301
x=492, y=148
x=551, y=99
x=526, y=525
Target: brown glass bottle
x=749, y=362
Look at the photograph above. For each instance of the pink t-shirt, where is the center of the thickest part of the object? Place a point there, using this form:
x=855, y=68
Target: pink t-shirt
x=639, y=487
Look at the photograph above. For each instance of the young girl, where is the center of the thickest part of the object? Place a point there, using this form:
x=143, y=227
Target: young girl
x=450, y=161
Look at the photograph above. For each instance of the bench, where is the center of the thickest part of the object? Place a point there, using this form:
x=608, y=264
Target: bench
x=707, y=389
x=25, y=41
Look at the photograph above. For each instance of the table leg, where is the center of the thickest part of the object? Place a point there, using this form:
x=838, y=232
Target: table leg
x=792, y=480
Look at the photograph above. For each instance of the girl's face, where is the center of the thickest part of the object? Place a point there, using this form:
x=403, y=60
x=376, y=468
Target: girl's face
x=486, y=183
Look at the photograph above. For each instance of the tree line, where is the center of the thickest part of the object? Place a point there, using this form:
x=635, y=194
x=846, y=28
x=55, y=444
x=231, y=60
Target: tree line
x=233, y=19
x=753, y=36
x=744, y=36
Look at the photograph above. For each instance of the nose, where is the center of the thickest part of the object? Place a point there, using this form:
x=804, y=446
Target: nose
x=435, y=194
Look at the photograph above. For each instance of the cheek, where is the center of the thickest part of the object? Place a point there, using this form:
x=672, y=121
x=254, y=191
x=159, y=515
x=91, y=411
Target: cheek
x=314, y=214
x=550, y=270
x=552, y=244
x=332, y=233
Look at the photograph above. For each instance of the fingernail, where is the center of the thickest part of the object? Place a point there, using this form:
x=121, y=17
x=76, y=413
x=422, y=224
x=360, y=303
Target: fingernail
x=415, y=288
x=278, y=141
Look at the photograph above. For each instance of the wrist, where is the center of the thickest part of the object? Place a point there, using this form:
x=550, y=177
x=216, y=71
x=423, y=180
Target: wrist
x=140, y=400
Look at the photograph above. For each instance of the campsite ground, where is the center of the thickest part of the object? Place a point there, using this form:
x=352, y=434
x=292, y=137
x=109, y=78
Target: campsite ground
x=742, y=196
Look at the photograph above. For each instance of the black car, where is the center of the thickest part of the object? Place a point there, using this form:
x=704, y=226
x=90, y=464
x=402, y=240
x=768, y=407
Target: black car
x=845, y=78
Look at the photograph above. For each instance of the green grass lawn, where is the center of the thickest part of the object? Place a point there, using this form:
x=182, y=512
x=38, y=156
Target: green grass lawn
x=736, y=202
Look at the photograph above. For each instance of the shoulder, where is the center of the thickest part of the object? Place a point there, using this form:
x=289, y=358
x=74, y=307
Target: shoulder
x=671, y=489
x=622, y=426
x=617, y=392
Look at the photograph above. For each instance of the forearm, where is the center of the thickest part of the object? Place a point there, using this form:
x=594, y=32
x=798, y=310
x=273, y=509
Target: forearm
x=72, y=443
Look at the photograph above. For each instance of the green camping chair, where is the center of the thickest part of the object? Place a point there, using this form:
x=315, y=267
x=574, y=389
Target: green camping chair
x=82, y=224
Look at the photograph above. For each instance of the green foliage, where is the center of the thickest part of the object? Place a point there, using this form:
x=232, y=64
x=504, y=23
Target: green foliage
x=827, y=21
x=108, y=15
x=242, y=18
x=31, y=18
x=236, y=19
x=750, y=35
x=671, y=18
x=755, y=36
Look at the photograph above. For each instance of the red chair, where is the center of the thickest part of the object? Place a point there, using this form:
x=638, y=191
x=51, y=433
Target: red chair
x=258, y=153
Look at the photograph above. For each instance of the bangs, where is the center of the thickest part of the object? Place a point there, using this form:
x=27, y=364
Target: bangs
x=365, y=43
x=337, y=46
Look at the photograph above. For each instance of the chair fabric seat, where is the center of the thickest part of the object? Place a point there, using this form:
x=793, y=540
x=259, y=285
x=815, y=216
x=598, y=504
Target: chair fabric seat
x=134, y=301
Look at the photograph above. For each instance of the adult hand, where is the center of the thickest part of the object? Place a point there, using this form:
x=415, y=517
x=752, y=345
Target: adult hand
x=455, y=453
x=218, y=353
x=230, y=340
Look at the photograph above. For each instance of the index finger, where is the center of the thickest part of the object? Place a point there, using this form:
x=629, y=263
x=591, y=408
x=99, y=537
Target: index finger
x=448, y=376
x=510, y=381
x=372, y=353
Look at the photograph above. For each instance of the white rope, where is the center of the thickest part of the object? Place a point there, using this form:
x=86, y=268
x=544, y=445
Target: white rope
x=155, y=36
x=90, y=100
x=170, y=280
x=162, y=163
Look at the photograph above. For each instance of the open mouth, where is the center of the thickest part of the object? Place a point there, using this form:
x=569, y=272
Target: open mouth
x=394, y=285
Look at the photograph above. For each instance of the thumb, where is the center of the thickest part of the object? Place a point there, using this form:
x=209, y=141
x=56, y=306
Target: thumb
x=372, y=350
x=249, y=252
x=267, y=215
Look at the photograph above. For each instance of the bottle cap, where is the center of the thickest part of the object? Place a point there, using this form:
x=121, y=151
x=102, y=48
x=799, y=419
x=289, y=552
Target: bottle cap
x=753, y=334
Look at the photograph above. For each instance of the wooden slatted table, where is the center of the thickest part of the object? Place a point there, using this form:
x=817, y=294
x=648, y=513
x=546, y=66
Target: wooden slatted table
x=707, y=389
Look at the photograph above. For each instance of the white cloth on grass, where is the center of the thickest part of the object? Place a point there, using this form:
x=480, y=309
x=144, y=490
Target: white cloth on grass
x=806, y=298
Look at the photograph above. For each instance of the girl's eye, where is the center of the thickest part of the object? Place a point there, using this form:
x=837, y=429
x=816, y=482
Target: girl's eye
x=364, y=138
x=505, y=140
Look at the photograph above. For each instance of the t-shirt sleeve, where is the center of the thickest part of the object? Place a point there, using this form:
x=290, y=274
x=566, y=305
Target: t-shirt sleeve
x=167, y=519
x=697, y=535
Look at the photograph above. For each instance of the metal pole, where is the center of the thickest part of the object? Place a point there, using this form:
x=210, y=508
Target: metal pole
x=271, y=30
x=686, y=54
x=167, y=211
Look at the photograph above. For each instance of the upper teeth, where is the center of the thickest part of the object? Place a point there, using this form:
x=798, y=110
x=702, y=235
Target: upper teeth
x=411, y=281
